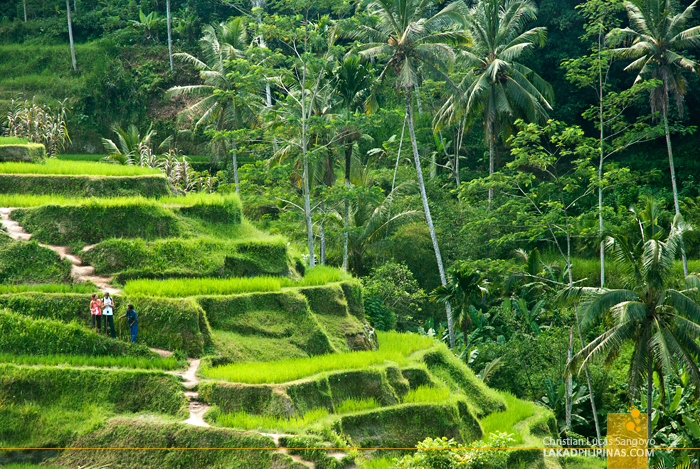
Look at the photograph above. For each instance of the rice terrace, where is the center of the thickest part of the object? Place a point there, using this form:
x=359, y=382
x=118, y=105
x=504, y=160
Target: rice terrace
x=365, y=234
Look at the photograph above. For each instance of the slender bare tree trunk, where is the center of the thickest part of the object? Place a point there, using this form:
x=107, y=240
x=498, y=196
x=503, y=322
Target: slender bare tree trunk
x=25, y=11
x=170, y=37
x=569, y=384
x=428, y=218
x=322, y=232
x=346, y=215
x=234, y=153
x=600, y=168
x=673, y=173
x=70, y=35
x=75, y=6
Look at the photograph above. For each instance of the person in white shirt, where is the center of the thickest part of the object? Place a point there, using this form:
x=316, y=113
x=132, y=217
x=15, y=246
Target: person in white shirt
x=108, y=312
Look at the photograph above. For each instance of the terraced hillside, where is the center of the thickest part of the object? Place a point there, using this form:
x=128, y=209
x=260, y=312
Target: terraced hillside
x=244, y=357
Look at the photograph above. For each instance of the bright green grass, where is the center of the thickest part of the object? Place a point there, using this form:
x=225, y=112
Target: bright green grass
x=28, y=200
x=394, y=347
x=81, y=157
x=76, y=168
x=159, y=363
x=356, y=405
x=427, y=394
x=385, y=462
x=30, y=466
x=180, y=288
x=13, y=141
x=48, y=288
x=264, y=422
x=516, y=411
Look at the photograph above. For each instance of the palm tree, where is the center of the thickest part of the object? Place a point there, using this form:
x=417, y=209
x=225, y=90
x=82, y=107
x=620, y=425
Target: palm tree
x=352, y=79
x=70, y=32
x=659, y=37
x=661, y=322
x=219, y=44
x=130, y=145
x=407, y=40
x=497, y=86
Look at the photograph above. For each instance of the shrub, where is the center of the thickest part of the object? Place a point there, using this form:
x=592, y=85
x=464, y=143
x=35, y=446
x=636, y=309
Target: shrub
x=27, y=262
x=22, y=335
x=378, y=315
x=441, y=453
x=396, y=297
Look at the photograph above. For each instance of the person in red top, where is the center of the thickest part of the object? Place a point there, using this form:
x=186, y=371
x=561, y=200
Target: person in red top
x=96, y=312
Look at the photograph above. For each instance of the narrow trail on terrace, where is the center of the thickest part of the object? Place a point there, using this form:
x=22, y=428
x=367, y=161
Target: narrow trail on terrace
x=79, y=272
x=196, y=407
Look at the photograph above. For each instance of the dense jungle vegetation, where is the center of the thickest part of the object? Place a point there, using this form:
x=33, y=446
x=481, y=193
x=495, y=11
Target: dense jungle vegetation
x=514, y=177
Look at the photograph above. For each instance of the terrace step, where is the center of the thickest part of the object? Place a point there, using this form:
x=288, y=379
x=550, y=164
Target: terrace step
x=79, y=272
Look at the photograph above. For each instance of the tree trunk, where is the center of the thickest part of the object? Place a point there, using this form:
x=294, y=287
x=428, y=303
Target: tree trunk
x=322, y=232
x=492, y=156
x=673, y=177
x=70, y=36
x=346, y=215
x=428, y=218
x=569, y=384
x=25, y=11
x=600, y=165
x=234, y=153
x=650, y=387
x=75, y=6
x=170, y=38
x=307, y=197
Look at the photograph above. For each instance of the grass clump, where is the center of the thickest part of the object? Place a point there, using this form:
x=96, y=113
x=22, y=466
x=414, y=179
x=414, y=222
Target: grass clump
x=356, y=405
x=393, y=347
x=427, y=394
x=28, y=262
x=77, y=168
x=48, y=288
x=517, y=411
x=154, y=363
x=247, y=421
x=181, y=288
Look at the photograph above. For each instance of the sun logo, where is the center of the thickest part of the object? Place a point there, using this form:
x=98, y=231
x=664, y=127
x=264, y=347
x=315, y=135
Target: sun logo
x=633, y=425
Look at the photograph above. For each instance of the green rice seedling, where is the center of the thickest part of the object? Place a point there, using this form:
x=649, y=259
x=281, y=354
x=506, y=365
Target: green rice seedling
x=516, y=411
x=319, y=275
x=94, y=158
x=265, y=422
x=76, y=168
x=48, y=288
x=159, y=363
x=394, y=347
x=428, y=394
x=28, y=200
x=181, y=288
x=356, y=405
x=13, y=141
x=31, y=466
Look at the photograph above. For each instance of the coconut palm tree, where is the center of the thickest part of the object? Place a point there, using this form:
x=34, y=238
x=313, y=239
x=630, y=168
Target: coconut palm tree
x=659, y=39
x=661, y=322
x=407, y=39
x=352, y=80
x=217, y=108
x=498, y=86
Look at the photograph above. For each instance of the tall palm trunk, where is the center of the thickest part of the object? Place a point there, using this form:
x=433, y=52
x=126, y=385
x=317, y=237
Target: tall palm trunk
x=569, y=383
x=346, y=215
x=25, y=11
x=234, y=158
x=70, y=36
x=600, y=165
x=322, y=233
x=170, y=38
x=650, y=387
x=492, y=155
x=428, y=218
x=673, y=170
x=307, y=196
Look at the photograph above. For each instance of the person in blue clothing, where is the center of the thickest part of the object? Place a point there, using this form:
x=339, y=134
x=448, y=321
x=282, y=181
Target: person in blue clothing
x=130, y=316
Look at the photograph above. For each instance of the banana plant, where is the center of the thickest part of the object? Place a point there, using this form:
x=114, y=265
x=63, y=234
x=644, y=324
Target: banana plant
x=555, y=400
x=528, y=315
